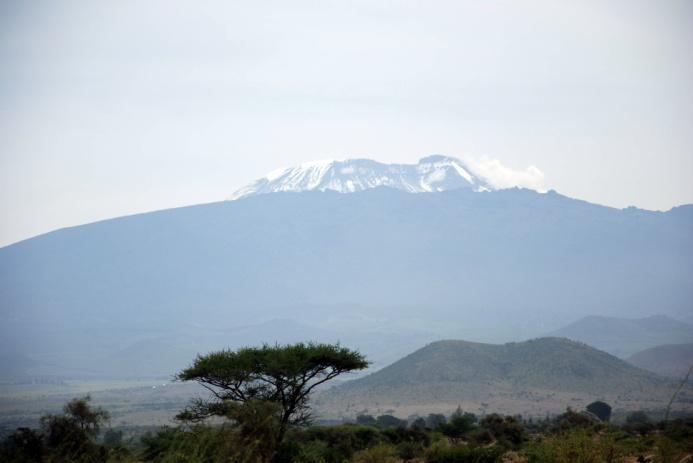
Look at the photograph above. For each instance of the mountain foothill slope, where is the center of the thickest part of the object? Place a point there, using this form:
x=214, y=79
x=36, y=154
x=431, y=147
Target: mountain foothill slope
x=532, y=378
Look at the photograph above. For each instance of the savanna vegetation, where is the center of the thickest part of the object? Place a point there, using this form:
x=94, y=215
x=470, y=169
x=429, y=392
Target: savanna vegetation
x=258, y=411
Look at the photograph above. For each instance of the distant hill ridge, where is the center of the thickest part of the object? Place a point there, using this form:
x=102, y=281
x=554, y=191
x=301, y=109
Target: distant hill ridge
x=518, y=376
x=625, y=336
x=552, y=363
x=672, y=360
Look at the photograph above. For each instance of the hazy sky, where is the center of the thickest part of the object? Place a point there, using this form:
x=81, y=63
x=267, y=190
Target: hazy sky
x=115, y=107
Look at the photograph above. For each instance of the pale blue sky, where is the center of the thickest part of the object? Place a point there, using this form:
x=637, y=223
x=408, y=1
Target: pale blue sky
x=111, y=108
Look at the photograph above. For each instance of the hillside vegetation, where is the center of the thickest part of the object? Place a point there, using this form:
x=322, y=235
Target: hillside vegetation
x=531, y=377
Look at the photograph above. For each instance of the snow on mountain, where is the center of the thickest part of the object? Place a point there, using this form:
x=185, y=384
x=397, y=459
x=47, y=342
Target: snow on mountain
x=433, y=173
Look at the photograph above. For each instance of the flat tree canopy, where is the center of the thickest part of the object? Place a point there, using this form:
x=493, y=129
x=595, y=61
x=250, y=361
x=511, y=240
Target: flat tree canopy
x=600, y=409
x=284, y=374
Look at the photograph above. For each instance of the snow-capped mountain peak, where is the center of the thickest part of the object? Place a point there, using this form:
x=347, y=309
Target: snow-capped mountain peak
x=430, y=174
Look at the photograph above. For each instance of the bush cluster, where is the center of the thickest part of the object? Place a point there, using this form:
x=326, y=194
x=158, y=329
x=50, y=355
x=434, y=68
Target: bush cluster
x=74, y=436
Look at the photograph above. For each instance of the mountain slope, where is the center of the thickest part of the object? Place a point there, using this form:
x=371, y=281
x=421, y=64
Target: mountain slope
x=625, y=336
x=433, y=173
x=522, y=376
x=672, y=360
x=494, y=266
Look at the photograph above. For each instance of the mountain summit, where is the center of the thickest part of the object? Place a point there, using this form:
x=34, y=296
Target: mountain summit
x=430, y=174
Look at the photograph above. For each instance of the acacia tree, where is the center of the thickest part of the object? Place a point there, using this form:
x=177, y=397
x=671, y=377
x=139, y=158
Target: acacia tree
x=69, y=437
x=88, y=418
x=284, y=375
x=600, y=409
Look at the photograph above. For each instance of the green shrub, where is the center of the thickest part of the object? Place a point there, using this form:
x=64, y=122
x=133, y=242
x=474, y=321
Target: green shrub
x=381, y=453
x=409, y=450
x=445, y=452
x=507, y=430
x=680, y=431
x=404, y=435
x=458, y=427
x=23, y=445
x=639, y=423
x=312, y=452
x=200, y=443
x=389, y=421
x=341, y=441
x=578, y=445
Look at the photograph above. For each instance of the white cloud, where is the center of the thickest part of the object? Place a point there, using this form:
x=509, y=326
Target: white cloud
x=502, y=176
